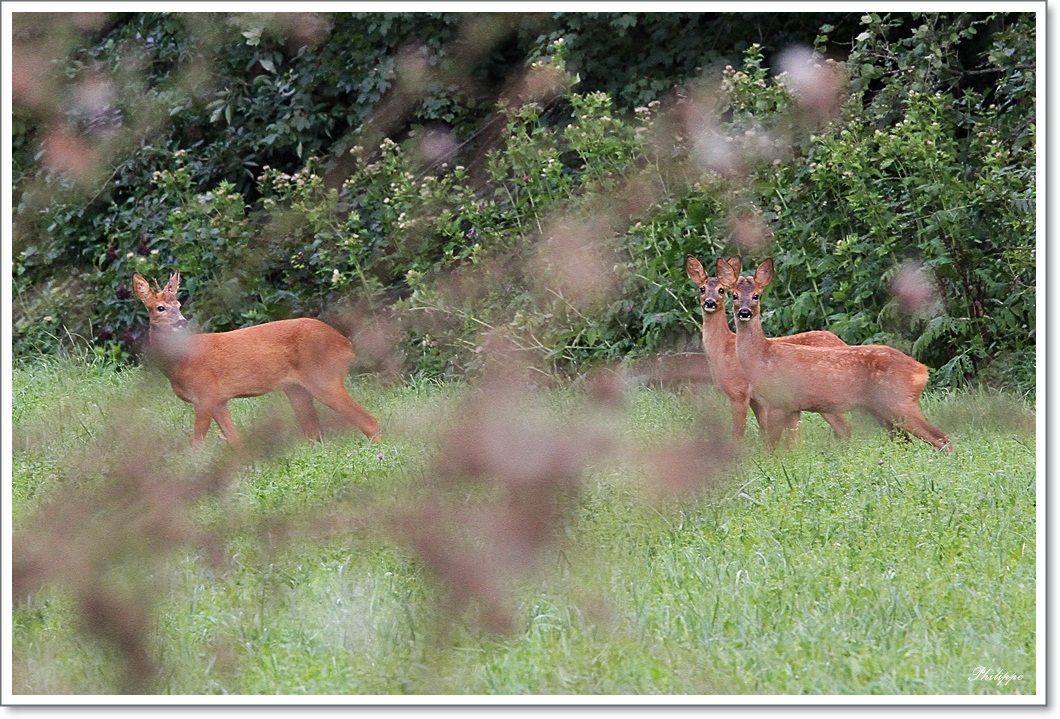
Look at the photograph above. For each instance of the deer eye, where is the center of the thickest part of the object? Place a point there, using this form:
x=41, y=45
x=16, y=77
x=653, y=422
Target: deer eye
x=721, y=291
x=702, y=290
x=161, y=308
x=755, y=296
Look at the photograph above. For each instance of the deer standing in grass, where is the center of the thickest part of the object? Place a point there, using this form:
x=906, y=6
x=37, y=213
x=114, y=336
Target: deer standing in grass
x=719, y=346
x=787, y=378
x=304, y=358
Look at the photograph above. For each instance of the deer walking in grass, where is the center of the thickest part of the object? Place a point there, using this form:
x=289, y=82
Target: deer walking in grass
x=719, y=346
x=788, y=379
x=304, y=358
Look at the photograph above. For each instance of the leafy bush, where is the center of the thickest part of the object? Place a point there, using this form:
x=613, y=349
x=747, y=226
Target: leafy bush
x=928, y=168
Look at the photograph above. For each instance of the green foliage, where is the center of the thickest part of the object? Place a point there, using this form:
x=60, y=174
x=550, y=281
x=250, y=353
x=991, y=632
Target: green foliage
x=917, y=172
x=931, y=161
x=637, y=58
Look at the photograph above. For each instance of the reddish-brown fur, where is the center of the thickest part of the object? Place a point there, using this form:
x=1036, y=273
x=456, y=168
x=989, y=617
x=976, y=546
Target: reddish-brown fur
x=719, y=346
x=304, y=358
x=788, y=379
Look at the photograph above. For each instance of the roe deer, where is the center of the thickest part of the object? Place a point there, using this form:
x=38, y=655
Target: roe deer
x=304, y=358
x=719, y=346
x=788, y=378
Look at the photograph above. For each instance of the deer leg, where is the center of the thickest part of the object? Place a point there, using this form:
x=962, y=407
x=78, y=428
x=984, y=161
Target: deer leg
x=762, y=416
x=839, y=424
x=791, y=430
x=302, y=404
x=202, y=425
x=898, y=434
x=779, y=420
x=886, y=419
x=917, y=425
x=333, y=394
x=739, y=418
x=228, y=427
x=895, y=429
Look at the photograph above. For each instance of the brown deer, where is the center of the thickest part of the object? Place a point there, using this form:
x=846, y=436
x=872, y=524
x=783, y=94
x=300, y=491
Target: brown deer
x=788, y=379
x=719, y=346
x=304, y=358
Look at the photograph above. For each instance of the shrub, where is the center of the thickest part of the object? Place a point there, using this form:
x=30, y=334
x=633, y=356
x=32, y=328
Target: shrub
x=927, y=172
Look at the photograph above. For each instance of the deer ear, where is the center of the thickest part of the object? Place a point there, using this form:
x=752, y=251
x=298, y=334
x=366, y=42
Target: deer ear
x=734, y=263
x=174, y=283
x=725, y=273
x=695, y=270
x=140, y=287
x=764, y=273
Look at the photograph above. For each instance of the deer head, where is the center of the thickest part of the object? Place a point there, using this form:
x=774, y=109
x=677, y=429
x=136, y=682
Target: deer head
x=711, y=289
x=163, y=307
x=747, y=291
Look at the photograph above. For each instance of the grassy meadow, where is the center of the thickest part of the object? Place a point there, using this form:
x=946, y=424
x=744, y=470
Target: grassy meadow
x=865, y=567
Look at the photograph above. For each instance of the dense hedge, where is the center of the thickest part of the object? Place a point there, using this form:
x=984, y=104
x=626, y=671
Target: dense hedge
x=265, y=171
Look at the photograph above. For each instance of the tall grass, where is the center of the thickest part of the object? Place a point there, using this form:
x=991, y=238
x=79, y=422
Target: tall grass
x=866, y=567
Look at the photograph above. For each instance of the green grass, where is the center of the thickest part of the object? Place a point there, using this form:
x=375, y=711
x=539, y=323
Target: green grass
x=866, y=567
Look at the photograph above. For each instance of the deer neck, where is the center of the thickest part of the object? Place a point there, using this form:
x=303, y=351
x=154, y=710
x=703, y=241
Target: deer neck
x=169, y=346
x=715, y=325
x=717, y=336
x=751, y=341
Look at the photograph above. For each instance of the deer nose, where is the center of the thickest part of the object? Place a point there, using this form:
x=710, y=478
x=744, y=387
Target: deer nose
x=744, y=314
x=710, y=304
x=181, y=323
